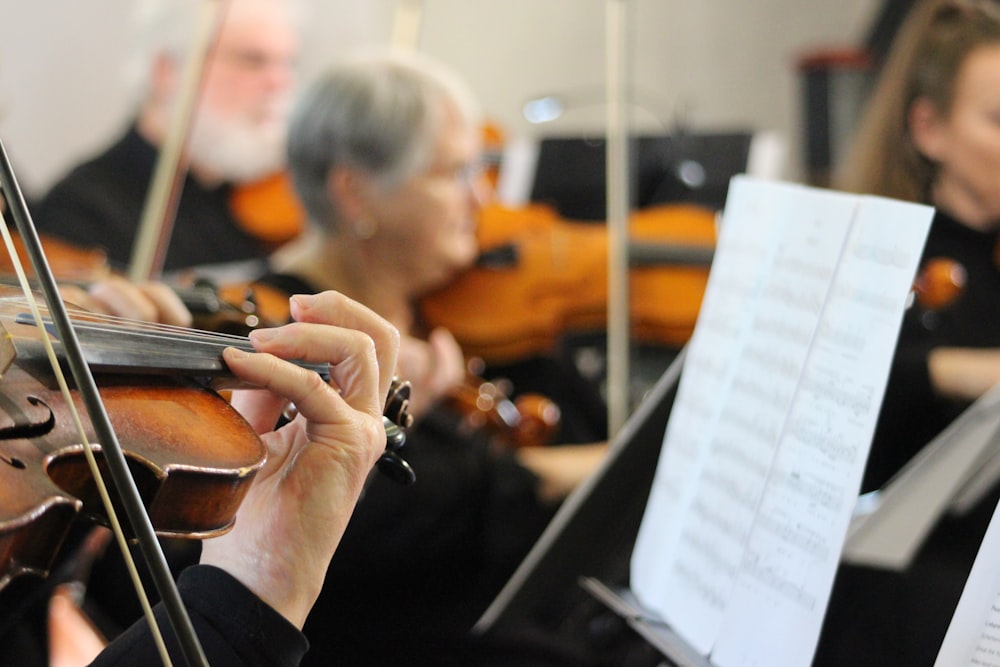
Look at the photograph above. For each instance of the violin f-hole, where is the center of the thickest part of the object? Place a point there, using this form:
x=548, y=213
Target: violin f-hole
x=14, y=462
x=28, y=429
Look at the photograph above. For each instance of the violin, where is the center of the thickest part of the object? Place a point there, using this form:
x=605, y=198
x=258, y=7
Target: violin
x=269, y=209
x=940, y=281
x=190, y=484
x=540, y=277
x=151, y=380
x=484, y=406
x=232, y=311
x=68, y=261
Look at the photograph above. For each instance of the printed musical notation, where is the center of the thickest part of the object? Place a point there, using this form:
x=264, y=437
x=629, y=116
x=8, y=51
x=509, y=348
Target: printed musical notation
x=762, y=457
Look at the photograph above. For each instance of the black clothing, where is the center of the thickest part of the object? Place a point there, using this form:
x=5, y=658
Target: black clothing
x=99, y=204
x=233, y=626
x=419, y=564
x=911, y=413
x=879, y=617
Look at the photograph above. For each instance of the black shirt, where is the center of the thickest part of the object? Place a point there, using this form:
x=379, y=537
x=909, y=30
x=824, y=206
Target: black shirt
x=233, y=626
x=100, y=202
x=912, y=413
x=879, y=617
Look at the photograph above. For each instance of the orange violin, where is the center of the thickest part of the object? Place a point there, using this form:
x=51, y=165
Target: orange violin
x=540, y=277
x=67, y=261
x=269, y=209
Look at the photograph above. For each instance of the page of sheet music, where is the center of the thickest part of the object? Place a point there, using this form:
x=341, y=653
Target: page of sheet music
x=745, y=249
x=973, y=637
x=741, y=449
x=773, y=357
x=791, y=556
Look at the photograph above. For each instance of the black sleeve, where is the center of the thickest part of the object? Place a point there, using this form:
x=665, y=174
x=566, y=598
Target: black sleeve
x=233, y=625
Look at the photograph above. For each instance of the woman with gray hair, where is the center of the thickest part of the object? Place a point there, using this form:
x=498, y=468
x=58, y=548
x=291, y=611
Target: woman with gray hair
x=384, y=151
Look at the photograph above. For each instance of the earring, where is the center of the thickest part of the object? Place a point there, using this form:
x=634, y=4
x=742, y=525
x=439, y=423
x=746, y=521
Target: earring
x=365, y=228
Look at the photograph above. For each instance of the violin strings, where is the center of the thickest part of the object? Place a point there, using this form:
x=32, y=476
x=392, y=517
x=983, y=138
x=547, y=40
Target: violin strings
x=116, y=324
x=164, y=333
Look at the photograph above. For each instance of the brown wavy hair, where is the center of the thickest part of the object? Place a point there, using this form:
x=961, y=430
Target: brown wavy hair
x=924, y=62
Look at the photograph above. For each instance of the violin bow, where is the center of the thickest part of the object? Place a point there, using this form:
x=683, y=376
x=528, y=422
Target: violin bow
x=149, y=250
x=111, y=447
x=406, y=24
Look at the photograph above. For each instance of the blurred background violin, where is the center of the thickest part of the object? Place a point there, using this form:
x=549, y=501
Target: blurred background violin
x=234, y=311
x=485, y=406
x=540, y=277
x=269, y=209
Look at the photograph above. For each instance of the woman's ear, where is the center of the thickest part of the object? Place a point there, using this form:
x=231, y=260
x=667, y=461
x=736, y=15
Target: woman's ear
x=347, y=187
x=928, y=129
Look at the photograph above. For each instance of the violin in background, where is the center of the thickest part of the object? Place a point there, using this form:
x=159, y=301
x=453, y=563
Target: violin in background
x=67, y=261
x=540, y=277
x=530, y=420
x=233, y=311
x=268, y=209
x=940, y=281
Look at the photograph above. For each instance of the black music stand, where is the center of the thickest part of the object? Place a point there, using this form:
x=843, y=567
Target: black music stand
x=683, y=167
x=590, y=538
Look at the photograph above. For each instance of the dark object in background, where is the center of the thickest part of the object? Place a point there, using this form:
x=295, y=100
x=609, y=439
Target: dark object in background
x=685, y=167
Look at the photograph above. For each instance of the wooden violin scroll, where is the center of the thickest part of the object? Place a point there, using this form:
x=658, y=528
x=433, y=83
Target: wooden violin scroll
x=530, y=420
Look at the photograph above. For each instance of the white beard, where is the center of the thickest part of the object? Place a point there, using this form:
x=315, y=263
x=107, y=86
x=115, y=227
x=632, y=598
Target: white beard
x=237, y=149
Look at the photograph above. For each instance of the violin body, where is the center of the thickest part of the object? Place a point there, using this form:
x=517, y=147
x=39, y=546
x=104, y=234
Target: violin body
x=192, y=455
x=71, y=263
x=555, y=281
x=269, y=209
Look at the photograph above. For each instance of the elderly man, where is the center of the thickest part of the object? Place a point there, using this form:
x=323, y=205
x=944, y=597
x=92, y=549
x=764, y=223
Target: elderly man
x=236, y=138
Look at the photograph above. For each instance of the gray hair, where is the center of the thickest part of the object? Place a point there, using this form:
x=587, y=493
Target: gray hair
x=379, y=114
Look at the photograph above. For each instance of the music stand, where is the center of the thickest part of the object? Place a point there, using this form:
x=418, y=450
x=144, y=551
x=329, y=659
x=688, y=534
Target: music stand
x=953, y=471
x=682, y=167
x=606, y=509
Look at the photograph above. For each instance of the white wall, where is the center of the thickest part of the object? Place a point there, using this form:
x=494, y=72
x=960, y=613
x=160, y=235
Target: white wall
x=719, y=62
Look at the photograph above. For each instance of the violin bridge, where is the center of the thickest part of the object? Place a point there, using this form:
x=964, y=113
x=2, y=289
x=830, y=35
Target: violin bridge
x=7, y=350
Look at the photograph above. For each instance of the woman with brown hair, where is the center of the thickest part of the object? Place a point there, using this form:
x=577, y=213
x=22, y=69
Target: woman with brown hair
x=931, y=134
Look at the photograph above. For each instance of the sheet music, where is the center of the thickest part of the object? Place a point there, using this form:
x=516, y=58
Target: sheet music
x=742, y=258
x=973, y=637
x=794, y=547
x=759, y=473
